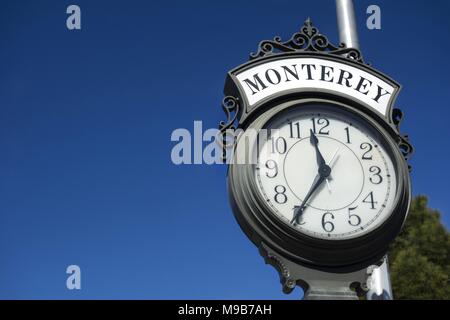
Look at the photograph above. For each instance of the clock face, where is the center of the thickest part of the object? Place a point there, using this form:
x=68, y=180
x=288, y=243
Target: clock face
x=326, y=173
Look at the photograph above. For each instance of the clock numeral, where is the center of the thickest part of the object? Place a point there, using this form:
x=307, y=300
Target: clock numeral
x=347, y=130
x=321, y=122
x=328, y=226
x=279, y=145
x=376, y=178
x=295, y=128
x=353, y=219
x=369, y=147
x=280, y=194
x=272, y=165
x=371, y=200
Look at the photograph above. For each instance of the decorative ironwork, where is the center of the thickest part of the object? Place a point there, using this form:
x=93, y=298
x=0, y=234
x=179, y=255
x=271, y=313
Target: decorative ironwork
x=307, y=39
x=287, y=282
x=230, y=106
x=403, y=141
x=311, y=281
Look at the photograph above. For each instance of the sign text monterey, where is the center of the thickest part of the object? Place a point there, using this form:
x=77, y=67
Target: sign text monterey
x=273, y=77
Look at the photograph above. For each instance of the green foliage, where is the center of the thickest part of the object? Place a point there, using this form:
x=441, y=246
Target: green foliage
x=420, y=256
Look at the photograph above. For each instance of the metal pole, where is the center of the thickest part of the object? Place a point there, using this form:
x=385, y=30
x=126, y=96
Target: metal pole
x=379, y=283
x=347, y=23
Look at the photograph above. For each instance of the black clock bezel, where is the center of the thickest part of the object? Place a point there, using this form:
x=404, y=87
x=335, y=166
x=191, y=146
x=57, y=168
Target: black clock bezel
x=262, y=226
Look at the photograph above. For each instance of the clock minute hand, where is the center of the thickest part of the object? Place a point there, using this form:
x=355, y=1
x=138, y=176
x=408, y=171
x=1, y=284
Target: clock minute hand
x=299, y=210
x=323, y=173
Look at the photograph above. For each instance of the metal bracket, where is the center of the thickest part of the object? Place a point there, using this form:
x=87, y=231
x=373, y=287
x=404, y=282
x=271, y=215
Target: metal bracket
x=319, y=285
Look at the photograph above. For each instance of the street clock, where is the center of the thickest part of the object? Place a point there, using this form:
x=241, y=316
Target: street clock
x=328, y=188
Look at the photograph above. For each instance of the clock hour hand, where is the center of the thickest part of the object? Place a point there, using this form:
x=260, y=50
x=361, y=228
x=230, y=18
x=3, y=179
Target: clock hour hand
x=315, y=142
x=320, y=160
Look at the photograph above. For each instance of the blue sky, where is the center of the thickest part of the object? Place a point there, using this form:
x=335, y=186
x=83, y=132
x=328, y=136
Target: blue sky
x=85, y=124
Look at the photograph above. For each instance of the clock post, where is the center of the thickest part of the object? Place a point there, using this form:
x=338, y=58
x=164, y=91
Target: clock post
x=379, y=284
x=318, y=176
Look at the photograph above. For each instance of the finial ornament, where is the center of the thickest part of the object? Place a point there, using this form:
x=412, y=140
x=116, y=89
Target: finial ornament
x=309, y=28
x=307, y=39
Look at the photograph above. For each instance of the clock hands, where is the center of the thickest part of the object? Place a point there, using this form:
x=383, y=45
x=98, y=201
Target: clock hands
x=330, y=164
x=328, y=185
x=315, y=142
x=320, y=160
x=323, y=173
x=334, y=156
x=298, y=210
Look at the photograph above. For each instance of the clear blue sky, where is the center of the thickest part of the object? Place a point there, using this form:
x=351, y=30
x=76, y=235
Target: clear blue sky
x=85, y=125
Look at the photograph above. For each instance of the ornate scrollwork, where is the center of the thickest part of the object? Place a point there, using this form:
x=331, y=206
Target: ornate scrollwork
x=230, y=106
x=307, y=39
x=403, y=142
x=288, y=282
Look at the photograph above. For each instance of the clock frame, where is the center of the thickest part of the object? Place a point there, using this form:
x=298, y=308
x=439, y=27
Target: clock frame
x=262, y=227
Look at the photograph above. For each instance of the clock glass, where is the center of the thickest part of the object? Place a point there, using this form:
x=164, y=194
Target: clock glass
x=326, y=173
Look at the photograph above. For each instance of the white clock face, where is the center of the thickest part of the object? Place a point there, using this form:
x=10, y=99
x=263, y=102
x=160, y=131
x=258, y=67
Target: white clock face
x=326, y=173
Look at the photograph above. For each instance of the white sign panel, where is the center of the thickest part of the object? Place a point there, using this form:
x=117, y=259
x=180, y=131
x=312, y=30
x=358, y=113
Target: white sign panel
x=314, y=74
